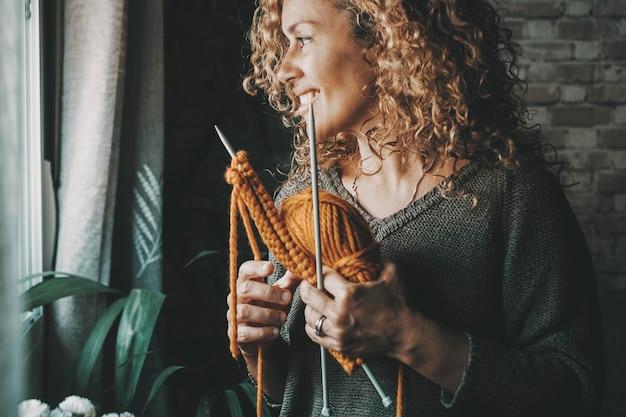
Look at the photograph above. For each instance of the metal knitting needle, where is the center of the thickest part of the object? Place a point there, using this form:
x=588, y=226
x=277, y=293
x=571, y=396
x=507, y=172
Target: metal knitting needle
x=386, y=399
x=318, y=244
x=318, y=263
x=225, y=142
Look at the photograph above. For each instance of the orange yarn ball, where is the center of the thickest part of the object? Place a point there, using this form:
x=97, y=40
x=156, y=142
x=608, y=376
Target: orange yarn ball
x=346, y=240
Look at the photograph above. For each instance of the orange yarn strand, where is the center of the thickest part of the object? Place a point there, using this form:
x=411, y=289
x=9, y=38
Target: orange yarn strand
x=232, y=276
x=400, y=391
x=256, y=252
x=259, y=382
x=257, y=256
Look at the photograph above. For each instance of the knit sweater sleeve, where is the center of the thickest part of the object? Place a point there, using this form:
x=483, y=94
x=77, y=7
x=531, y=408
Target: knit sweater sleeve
x=551, y=361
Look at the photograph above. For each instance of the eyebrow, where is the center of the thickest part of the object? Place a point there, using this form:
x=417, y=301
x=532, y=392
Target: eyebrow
x=292, y=28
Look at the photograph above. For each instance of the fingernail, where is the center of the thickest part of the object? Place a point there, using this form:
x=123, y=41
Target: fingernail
x=285, y=296
x=275, y=332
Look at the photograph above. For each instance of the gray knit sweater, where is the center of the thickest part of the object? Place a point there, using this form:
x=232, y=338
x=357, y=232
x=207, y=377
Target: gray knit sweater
x=514, y=274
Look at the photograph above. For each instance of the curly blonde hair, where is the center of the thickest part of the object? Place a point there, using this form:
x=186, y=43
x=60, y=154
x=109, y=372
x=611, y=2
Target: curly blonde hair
x=446, y=80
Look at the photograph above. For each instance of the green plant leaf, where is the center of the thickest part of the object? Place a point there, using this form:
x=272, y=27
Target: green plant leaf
x=233, y=403
x=250, y=391
x=146, y=226
x=57, y=288
x=92, y=348
x=132, y=358
x=46, y=274
x=205, y=405
x=133, y=338
x=160, y=379
x=202, y=255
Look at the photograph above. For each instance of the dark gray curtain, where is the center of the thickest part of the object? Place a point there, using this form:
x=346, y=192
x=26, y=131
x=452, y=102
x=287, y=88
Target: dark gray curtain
x=110, y=168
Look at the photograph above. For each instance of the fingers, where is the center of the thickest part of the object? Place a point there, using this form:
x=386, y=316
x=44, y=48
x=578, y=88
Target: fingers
x=324, y=303
x=255, y=335
x=391, y=274
x=318, y=327
x=361, y=318
x=252, y=289
x=260, y=309
x=336, y=291
x=337, y=286
x=288, y=281
x=260, y=293
x=255, y=270
x=316, y=299
x=314, y=322
x=252, y=314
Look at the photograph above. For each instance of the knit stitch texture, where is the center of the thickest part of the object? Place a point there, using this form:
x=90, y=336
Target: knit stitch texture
x=514, y=274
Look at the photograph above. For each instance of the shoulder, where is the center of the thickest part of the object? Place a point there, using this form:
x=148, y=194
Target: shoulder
x=535, y=203
x=526, y=183
x=533, y=185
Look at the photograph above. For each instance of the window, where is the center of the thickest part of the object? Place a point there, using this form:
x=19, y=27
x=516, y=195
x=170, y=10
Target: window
x=30, y=151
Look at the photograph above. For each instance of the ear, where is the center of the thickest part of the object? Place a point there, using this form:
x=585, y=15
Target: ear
x=370, y=56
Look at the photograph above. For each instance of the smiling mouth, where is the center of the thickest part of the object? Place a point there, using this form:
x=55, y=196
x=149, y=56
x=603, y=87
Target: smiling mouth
x=308, y=97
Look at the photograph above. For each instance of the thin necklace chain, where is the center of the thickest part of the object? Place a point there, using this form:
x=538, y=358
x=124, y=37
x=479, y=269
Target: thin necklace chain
x=359, y=170
x=354, y=187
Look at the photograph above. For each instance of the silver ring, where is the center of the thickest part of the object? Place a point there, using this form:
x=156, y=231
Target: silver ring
x=318, y=326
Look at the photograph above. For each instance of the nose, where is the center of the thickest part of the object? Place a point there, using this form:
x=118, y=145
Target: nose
x=288, y=69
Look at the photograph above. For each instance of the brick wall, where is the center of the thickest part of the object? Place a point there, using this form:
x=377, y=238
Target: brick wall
x=574, y=59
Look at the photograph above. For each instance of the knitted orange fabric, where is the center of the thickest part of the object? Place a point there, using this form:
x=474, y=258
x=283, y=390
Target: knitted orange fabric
x=346, y=240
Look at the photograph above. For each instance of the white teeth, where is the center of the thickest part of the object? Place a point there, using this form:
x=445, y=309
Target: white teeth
x=307, y=98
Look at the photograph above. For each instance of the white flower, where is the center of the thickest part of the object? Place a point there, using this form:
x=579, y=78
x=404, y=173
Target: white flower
x=124, y=414
x=57, y=412
x=78, y=406
x=33, y=408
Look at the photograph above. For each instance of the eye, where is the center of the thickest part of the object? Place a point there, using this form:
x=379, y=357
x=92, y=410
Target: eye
x=303, y=40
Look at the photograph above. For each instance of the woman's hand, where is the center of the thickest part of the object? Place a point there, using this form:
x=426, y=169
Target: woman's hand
x=362, y=320
x=261, y=308
x=373, y=318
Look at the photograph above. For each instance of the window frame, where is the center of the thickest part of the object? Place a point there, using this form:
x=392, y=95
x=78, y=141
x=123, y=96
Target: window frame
x=31, y=157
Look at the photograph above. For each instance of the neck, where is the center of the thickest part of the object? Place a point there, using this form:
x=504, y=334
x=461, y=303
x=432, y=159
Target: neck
x=383, y=186
x=373, y=176
x=389, y=166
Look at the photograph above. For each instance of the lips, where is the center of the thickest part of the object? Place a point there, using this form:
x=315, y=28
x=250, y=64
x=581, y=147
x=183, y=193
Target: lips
x=307, y=97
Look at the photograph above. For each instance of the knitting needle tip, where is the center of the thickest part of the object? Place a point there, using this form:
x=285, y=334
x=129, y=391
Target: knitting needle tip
x=225, y=142
x=387, y=401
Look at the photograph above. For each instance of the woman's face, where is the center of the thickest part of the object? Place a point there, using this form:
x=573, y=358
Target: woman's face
x=325, y=65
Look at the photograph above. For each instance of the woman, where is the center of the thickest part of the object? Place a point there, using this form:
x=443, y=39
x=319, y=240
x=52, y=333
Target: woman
x=488, y=295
